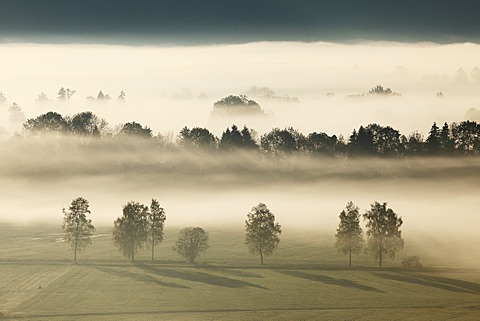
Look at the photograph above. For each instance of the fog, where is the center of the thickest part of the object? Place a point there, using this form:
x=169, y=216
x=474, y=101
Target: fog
x=168, y=88
x=40, y=175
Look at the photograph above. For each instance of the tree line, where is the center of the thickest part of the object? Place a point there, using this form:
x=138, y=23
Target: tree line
x=373, y=140
x=142, y=226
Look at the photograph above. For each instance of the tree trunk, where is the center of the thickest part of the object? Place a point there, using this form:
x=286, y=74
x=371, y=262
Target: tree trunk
x=350, y=257
x=153, y=247
x=261, y=256
x=132, y=248
x=75, y=252
x=76, y=245
x=380, y=256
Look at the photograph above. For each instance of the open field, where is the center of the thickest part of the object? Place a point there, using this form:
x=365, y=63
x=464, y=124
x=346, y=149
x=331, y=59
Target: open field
x=305, y=280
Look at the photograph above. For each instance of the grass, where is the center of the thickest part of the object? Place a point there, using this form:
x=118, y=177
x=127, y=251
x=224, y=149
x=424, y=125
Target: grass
x=304, y=280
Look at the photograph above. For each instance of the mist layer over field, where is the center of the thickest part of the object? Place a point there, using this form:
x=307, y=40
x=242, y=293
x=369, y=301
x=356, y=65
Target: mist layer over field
x=40, y=175
x=170, y=87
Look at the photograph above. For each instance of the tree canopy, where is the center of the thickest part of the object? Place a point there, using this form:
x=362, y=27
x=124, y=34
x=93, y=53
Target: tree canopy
x=130, y=231
x=349, y=237
x=133, y=129
x=156, y=223
x=262, y=232
x=236, y=105
x=191, y=242
x=233, y=139
x=50, y=122
x=77, y=227
x=383, y=231
x=373, y=140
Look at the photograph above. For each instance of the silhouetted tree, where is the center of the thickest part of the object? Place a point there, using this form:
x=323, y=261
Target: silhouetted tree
x=263, y=232
x=130, y=232
x=446, y=142
x=278, y=141
x=237, y=105
x=197, y=138
x=134, y=129
x=361, y=142
x=466, y=137
x=433, y=140
x=383, y=231
x=50, y=122
x=156, y=223
x=191, y=242
x=84, y=124
x=349, y=233
x=414, y=144
x=386, y=140
x=321, y=143
x=379, y=90
x=234, y=139
x=77, y=227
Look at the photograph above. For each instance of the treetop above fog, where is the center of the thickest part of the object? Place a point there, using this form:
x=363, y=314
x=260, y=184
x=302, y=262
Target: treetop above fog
x=236, y=106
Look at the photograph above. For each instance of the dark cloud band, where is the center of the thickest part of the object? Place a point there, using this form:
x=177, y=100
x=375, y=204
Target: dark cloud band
x=220, y=21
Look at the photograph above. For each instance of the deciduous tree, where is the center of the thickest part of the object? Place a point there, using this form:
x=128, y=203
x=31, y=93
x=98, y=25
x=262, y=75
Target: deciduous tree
x=77, y=227
x=262, y=231
x=191, y=242
x=130, y=231
x=156, y=222
x=349, y=233
x=50, y=122
x=383, y=231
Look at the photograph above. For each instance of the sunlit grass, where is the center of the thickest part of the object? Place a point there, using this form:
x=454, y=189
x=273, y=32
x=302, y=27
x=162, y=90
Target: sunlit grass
x=305, y=279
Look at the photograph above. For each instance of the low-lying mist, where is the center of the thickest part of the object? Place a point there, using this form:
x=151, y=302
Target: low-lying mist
x=170, y=87
x=41, y=175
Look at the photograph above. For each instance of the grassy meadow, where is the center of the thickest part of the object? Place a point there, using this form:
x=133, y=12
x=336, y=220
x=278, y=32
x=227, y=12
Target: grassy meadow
x=306, y=279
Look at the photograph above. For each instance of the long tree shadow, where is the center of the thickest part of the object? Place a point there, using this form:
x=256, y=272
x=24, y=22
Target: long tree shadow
x=231, y=271
x=438, y=282
x=138, y=277
x=201, y=277
x=328, y=280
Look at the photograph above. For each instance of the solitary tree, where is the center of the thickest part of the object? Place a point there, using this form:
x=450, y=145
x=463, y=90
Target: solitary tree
x=156, y=222
x=383, y=231
x=262, y=231
x=130, y=231
x=191, y=241
x=77, y=227
x=349, y=233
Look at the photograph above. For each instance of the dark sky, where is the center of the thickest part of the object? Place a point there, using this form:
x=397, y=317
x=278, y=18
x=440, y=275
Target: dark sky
x=237, y=21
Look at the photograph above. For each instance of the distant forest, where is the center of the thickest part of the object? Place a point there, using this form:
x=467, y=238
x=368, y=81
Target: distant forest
x=373, y=140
